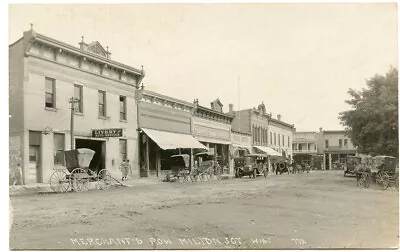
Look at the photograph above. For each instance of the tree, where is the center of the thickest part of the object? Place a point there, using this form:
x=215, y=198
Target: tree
x=372, y=123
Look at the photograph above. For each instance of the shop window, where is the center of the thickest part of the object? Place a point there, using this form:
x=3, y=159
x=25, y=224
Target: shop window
x=345, y=143
x=59, y=143
x=122, y=108
x=102, y=103
x=122, y=149
x=78, y=96
x=50, y=93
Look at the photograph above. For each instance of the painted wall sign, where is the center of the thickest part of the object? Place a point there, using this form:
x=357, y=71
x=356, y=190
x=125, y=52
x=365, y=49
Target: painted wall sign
x=107, y=133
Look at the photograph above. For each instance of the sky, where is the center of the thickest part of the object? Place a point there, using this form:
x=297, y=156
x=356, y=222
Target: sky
x=299, y=59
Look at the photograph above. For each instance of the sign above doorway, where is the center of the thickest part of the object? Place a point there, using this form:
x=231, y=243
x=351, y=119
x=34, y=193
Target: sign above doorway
x=107, y=132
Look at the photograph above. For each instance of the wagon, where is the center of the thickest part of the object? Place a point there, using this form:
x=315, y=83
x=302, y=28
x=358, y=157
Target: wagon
x=384, y=171
x=387, y=171
x=76, y=175
x=205, y=167
x=179, y=168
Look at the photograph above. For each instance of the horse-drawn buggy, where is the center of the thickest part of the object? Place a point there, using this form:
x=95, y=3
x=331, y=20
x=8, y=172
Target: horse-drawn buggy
x=205, y=167
x=251, y=165
x=77, y=176
x=384, y=171
x=179, y=168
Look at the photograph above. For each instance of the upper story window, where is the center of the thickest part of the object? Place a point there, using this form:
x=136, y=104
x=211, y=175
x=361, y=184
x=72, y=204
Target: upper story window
x=122, y=108
x=270, y=138
x=274, y=138
x=345, y=143
x=78, y=96
x=288, y=141
x=283, y=140
x=279, y=139
x=50, y=93
x=326, y=143
x=102, y=103
x=340, y=143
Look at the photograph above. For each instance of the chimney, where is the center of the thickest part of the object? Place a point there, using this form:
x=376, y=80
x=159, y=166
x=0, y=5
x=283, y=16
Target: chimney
x=82, y=44
x=278, y=117
x=230, y=108
x=320, y=129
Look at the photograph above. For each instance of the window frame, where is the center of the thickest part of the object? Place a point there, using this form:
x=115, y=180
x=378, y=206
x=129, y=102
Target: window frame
x=340, y=143
x=53, y=94
x=80, y=99
x=104, y=104
x=121, y=140
x=345, y=143
x=124, y=112
x=326, y=143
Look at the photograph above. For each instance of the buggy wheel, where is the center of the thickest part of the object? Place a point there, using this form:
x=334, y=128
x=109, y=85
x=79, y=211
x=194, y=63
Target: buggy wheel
x=79, y=180
x=59, y=182
x=382, y=179
x=254, y=173
x=104, y=179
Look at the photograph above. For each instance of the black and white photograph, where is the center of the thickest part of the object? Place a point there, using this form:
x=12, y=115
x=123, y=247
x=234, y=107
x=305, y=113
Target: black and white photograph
x=202, y=126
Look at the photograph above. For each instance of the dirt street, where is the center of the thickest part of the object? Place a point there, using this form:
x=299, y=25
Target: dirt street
x=315, y=210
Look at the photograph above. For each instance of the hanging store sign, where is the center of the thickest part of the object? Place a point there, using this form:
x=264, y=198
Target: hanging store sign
x=107, y=133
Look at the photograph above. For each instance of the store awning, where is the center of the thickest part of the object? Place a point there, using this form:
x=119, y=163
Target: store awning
x=168, y=140
x=243, y=147
x=269, y=151
x=212, y=140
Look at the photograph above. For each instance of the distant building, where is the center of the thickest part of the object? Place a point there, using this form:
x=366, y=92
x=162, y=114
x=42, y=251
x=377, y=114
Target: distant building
x=305, y=148
x=270, y=136
x=334, y=145
x=44, y=74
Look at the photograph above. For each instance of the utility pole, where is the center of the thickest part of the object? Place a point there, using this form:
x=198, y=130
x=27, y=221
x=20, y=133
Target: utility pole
x=239, y=100
x=72, y=100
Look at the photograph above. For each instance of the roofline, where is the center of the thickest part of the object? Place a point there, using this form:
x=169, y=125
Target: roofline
x=216, y=112
x=334, y=131
x=148, y=92
x=18, y=40
x=280, y=122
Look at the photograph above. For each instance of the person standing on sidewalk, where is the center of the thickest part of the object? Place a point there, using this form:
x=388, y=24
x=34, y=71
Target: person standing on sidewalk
x=128, y=169
x=18, y=176
x=123, y=169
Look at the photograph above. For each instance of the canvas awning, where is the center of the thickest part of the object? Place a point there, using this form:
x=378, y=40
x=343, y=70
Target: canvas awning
x=243, y=147
x=212, y=140
x=168, y=140
x=269, y=151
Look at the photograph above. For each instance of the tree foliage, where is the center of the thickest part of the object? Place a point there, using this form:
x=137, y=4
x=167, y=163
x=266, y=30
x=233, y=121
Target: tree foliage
x=372, y=123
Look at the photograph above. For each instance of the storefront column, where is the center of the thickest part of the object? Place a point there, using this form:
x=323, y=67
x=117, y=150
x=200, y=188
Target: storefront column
x=147, y=156
x=330, y=161
x=324, y=162
x=191, y=160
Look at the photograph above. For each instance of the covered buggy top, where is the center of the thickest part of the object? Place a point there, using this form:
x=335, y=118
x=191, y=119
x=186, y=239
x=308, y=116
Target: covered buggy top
x=78, y=158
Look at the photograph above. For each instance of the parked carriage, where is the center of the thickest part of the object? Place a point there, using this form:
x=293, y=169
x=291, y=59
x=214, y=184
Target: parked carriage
x=350, y=167
x=384, y=171
x=76, y=175
x=179, y=168
x=205, y=167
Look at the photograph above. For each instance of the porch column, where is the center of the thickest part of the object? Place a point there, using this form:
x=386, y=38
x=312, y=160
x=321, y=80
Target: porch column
x=147, y=156
x=323, y=162
x=330, y=161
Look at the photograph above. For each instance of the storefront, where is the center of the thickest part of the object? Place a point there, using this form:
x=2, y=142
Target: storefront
x=164, y=130
x=241, y=144
x=212, y=128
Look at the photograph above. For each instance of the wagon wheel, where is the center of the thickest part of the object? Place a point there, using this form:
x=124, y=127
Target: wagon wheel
x=383, y=180
x=104, y=179
x=79, y=180
x=254, y=173
x=59, y=181
x=219, y=173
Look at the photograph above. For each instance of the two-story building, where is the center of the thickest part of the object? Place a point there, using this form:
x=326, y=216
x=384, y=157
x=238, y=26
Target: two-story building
x=46, y=78
x=334, y=145
x=212, y=127
x=165, y=129
x=305, y=148
x=281, y=136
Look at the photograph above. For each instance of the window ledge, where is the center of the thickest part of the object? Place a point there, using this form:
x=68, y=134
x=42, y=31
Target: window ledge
x=103, y=117
x=124, y=121
x=50, y=109
x=78, y=113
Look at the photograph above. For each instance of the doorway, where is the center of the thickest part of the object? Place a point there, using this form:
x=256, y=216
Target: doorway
x=98, y=161
x=35, y=173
